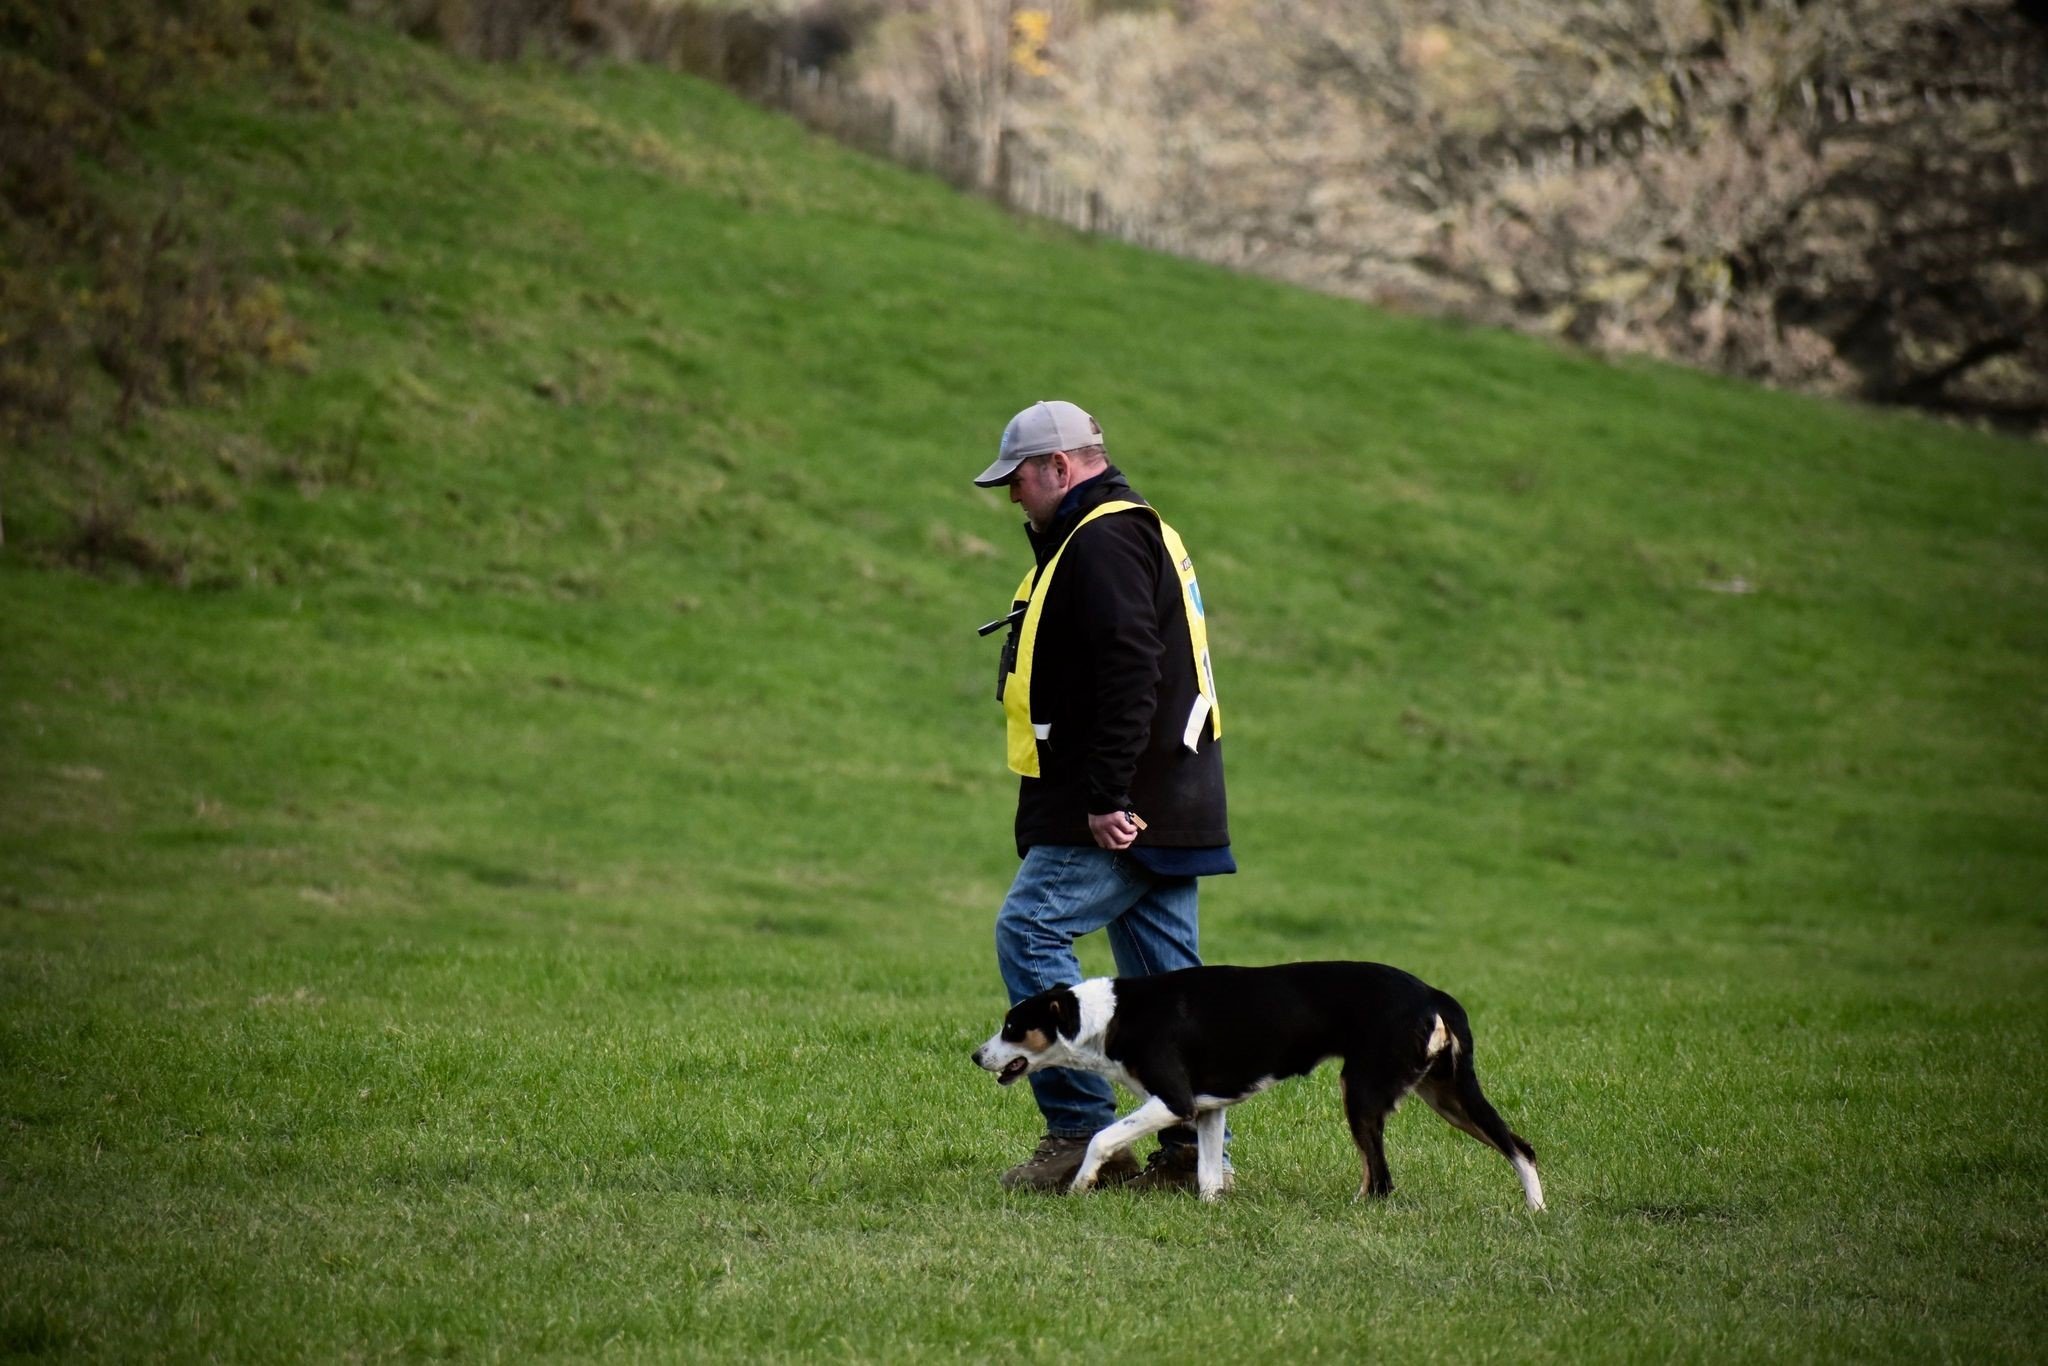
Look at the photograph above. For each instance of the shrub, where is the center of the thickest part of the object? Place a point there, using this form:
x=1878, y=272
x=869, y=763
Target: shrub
x=129, y=288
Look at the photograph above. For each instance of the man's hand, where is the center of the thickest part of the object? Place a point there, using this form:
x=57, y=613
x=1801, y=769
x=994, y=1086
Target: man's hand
x=1114, y=829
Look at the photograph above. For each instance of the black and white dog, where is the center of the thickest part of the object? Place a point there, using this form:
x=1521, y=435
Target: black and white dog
x=1198, y=1041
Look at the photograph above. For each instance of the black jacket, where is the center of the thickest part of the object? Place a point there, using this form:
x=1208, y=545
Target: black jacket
x=1114, y=674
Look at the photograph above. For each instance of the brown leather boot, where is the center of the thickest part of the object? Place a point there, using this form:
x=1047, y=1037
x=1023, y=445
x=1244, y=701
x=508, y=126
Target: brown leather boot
x=1171, y=1169
x=1052, y=1167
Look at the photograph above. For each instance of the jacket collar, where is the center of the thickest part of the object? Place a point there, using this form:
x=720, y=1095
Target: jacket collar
x=1081, y=499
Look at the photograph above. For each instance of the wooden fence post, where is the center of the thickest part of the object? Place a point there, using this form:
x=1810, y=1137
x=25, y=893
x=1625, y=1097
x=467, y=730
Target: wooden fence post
x=911, y=136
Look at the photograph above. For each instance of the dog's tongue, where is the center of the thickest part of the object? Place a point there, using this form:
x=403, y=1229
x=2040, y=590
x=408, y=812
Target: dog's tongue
x=1017, y=1068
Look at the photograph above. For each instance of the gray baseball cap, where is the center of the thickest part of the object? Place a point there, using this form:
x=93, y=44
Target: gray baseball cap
x=1049, y=425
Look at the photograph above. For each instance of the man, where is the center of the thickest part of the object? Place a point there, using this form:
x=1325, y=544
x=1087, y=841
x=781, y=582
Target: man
x=1113, y=726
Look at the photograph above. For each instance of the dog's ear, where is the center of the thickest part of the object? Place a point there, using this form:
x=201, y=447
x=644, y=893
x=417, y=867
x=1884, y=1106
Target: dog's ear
x=1066, y=1013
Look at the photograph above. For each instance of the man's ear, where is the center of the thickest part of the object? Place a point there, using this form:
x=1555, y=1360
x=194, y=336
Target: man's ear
x=1066, y=1014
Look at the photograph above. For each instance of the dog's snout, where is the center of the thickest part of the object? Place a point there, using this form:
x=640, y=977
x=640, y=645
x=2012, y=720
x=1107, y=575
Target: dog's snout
x=977, y=1055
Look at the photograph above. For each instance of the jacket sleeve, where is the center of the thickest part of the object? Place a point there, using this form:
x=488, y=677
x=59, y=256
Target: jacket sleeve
x=1116, y=582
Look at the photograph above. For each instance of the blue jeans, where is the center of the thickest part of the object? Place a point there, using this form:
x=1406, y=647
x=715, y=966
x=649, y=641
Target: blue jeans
x=1062, y=892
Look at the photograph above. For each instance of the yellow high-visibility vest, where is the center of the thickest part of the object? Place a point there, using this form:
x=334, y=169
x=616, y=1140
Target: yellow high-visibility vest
x=1024, y=733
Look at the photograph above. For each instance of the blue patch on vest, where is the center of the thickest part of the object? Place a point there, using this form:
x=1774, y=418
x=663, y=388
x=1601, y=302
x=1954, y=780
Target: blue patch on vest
x=1195, y=596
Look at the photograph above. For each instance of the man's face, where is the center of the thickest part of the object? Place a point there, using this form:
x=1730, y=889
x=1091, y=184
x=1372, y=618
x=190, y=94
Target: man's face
x=1038, y=486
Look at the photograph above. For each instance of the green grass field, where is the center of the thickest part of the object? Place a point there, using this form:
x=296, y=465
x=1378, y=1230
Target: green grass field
x=529, y=892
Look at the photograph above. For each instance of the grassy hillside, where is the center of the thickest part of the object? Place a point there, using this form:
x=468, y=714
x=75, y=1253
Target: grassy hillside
x=516, y=877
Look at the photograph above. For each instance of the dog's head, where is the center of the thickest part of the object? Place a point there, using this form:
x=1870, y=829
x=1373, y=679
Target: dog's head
x=1037, y=1033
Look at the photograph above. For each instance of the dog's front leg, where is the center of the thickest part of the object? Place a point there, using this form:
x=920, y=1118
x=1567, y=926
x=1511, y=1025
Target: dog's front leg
x=1148, y=1118
x=1209, y=1177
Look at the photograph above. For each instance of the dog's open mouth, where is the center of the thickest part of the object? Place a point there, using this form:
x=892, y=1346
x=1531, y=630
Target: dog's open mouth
x=1015, y=1068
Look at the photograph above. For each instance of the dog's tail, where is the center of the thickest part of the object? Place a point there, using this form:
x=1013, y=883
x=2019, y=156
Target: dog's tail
x=1442, y=1038
x=1451, y=1087
x=1450, y=1038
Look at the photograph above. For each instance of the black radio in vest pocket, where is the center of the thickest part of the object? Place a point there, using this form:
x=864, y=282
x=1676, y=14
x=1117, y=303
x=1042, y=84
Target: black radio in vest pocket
x=1007, y=665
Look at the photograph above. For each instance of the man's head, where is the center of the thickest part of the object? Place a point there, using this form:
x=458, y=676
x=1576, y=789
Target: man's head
x=1047, y=449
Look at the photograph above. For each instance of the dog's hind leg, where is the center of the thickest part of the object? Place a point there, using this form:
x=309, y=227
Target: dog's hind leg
x=1210, y=1178
x=1366, y=1107
x=1451, y=1088
x=1149, y=1118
